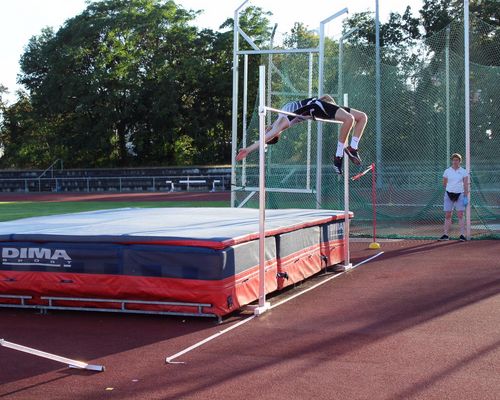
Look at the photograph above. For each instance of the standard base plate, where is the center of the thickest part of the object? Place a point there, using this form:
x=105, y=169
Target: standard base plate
x=257, y=309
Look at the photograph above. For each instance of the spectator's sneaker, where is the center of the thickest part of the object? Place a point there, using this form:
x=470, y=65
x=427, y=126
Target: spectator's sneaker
x=462, y=238
x=353, y=155
x=337, y=164
x=444, y=237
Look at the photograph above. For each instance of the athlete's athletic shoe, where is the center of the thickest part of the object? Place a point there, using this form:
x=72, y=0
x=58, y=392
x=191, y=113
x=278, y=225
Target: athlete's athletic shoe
x=462, y=238
x=353, y=155
x=337, y=164
x=274, y=140
x=444, y=237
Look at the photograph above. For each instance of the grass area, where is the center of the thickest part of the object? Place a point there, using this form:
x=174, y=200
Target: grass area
x=17, y=210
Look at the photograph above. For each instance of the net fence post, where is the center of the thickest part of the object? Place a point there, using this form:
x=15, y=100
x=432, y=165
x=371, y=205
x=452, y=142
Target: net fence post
x=467, y=114
x=378, y=105
x=447, y=79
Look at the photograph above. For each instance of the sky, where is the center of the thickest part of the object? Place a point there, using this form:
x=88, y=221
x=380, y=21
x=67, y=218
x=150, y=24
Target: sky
x=22, y=19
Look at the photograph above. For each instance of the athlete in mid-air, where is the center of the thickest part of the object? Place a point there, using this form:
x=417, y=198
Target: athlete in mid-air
x=323, y=107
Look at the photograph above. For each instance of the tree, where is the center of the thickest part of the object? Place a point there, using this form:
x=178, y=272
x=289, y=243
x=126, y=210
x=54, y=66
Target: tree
x=397, y=35
x=301, y=37
x=255, y=23
x=25, y=140
x=437, y=15
x=114, y=77
x=130, y=83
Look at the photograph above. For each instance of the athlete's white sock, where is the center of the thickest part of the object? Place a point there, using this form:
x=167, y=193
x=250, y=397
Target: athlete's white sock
x=340, y=149
x=354, y=142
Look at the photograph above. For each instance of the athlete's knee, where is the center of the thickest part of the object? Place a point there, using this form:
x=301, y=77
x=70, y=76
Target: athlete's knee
x=362, y=118
x=347, y=119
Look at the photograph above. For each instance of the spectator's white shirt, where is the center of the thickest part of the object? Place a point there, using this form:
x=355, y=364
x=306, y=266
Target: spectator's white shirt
x=455, y=179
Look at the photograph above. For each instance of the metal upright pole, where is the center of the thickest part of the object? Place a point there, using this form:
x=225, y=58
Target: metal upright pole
x=340, y=71
x=378, y=112
x=270, y=74
x=347, y=222
x=321, y=66
x=341, y=62
x=467, y=113
x=319, y=144
x=263, y=306
x=309, y=125
x=245, y=112
x=234, y=138
x=269, y=93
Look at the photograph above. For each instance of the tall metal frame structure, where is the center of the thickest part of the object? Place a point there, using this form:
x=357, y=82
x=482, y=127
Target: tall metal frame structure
x=320, y=50
x=237, y=53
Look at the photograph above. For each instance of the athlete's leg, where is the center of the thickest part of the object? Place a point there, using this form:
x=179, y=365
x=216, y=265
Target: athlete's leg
x=360, y=119
x=275, y=130
x=347, y=123
x=278, y=126
x=347, y=120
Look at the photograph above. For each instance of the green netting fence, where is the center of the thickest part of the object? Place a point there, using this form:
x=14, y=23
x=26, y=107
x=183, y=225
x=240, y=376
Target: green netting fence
x=422, y=124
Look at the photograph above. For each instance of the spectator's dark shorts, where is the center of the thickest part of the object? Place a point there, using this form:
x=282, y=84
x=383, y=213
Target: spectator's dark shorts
x=450, y=204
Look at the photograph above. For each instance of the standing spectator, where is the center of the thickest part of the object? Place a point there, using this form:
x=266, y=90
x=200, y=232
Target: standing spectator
x=455, y=182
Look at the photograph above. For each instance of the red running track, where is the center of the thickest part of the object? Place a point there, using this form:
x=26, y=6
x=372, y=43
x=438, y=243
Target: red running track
x=419, y=322
x=149, y=196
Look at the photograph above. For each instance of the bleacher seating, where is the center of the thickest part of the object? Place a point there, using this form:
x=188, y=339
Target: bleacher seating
x=118, y=180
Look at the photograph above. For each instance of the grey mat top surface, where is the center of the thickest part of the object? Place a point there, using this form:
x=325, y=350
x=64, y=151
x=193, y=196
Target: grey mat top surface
x=222, y=225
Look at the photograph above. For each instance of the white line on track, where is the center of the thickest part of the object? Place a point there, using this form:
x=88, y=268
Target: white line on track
x=169, y=360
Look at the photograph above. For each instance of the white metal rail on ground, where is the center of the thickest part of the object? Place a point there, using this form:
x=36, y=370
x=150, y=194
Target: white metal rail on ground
x=71, y=363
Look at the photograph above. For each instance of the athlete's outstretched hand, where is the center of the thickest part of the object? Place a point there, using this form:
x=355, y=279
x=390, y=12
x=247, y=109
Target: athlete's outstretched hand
x=243, y=153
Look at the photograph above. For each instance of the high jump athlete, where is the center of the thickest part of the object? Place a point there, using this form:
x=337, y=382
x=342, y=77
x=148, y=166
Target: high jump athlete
x=323, y=107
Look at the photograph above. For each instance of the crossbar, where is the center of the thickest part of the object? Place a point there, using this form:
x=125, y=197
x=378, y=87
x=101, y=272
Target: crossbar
x=71, y=363
x=274, y=190
x=331, y=121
